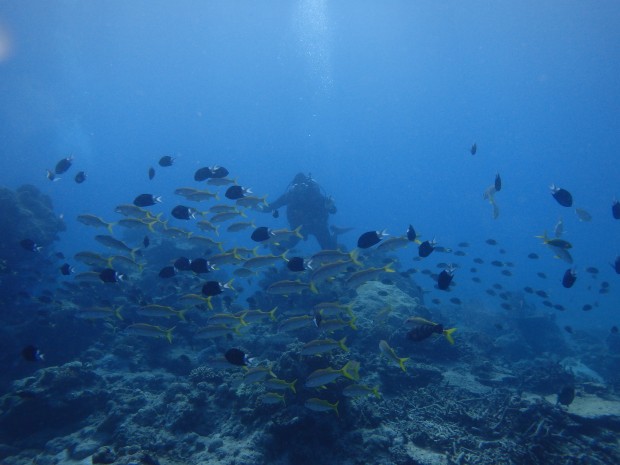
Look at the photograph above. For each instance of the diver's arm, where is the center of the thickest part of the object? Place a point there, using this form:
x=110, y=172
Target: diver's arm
x=280, y=202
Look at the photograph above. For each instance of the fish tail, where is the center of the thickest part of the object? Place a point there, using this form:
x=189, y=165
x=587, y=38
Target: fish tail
x=297, y=231
x=341, y=344
x=229, y=285
x=354, y=255
x=150, y=226
x=388, y=268
x=209, y=303
x=351, y=323
x=313, y=287
x=448, y=334
x=182, y=315
x=169, y=334
x=351, y=370
x=117, y=312
x=292, y=386
x=335, y=407
x=217, y=230
x=272, y=313
x=236, y=330
x=110, y=227
x=401, y=363
x=375, y=391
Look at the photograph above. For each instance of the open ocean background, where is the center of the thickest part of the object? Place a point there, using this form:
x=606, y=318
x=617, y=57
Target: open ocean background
x=380, y=101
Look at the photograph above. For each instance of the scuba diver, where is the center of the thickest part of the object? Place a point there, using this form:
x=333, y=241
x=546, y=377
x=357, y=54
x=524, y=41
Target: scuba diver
x=307, y=206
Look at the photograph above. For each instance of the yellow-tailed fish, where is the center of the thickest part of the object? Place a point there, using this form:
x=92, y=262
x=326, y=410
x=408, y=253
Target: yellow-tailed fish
x=386, y=350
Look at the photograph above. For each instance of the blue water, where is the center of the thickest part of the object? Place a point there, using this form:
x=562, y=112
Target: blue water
x=380, y=101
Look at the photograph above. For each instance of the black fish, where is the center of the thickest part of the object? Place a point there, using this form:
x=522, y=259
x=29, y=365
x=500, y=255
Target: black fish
x=200, y=265
x=568, y=329
x=80, y=177
x=559, y=307
x=30, y=245
x=615, y=210
x=444, y=279
x=109, y=275
x=491, y=241
x=63, y=165
x=297, y=264
x=146, y=241
x=497, y=263
x=236, y=357
x=183, y=264
x=66, y=269
x=456, y=301
x=498, y=183
x=236, y=192
x=275, y=214
x=370, y=238
x=212, y=288
x=566, y=395
x=32, y=354
x=425, y=249
x=146, y=200
x=167, y=272
x=614, y=330
x=261, y=234
x=473, y=149
x=151, y=173
x=166, y=160
x=533, y=256
x=411, y=234
x=587, y=307
x=181, y=212
x=562, y=196
x=202, y=174
x=424, y=331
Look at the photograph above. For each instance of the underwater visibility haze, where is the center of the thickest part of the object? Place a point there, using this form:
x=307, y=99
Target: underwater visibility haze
x=309, y=232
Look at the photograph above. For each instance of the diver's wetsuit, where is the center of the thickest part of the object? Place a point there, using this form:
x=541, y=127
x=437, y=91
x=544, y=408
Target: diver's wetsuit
x=307, y=206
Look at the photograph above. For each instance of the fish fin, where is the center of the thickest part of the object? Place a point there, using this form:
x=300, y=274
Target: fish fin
x=448, y=334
